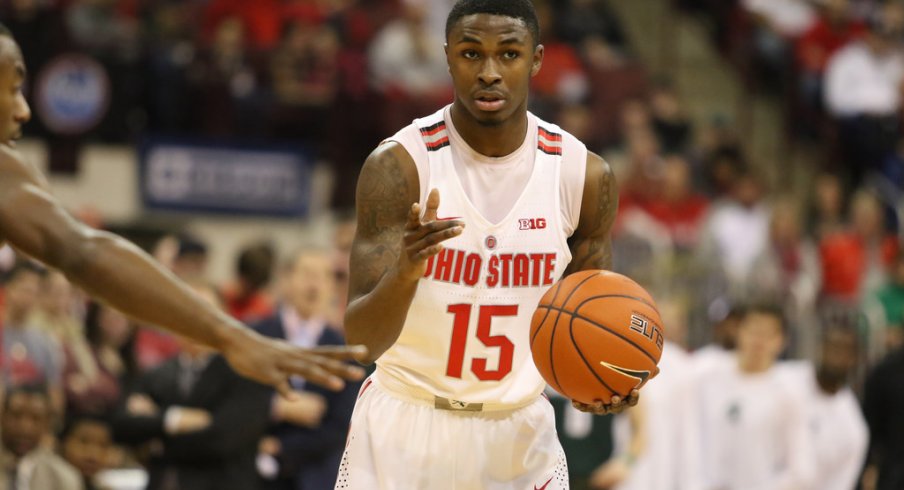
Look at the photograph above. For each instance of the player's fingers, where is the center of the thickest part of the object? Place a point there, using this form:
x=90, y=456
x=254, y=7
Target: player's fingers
x=285, y=389
x=413, y=235
x=336, y=367
x=435, y=238
x=580, y=406
x=427, y=253
x=432, y=205
x=341, y=352
x=414, y=217
x=313, y=373
x=615, y=401
x=633, y=397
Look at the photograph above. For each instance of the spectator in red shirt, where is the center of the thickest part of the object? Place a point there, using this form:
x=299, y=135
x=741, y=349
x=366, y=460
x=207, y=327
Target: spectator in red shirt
x=834, y=28
x=854, y=262
x=261, y=19
x=677, y=206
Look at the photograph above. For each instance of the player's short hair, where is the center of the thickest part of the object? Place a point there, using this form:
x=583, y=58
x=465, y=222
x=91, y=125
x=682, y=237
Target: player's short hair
x=516, y=9
x=767, y=308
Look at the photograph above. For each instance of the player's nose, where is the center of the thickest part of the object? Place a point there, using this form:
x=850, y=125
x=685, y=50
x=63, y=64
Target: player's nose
x=489, y=72
x=21, y=112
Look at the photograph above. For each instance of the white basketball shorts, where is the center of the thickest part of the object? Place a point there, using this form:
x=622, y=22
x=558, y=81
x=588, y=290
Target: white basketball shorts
x=397, y=443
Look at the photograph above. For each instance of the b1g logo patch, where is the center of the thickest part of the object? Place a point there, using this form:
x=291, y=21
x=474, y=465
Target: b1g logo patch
x=532, y=223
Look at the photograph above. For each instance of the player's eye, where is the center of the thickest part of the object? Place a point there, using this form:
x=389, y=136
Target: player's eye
x=470, y=54
x=510, y=55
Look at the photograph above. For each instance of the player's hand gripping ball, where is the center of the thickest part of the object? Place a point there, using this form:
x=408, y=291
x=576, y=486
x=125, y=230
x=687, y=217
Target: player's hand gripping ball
x=596, y=334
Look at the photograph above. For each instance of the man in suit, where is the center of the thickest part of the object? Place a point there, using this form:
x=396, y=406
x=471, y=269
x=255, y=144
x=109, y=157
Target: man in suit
x=27, y=464
x=308, y=434
x=204, y=421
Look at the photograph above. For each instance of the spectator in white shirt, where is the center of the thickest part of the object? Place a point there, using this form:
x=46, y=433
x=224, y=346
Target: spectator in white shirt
x=753, y=426
x=737, y=230
x=778, y=25
x=863, y=91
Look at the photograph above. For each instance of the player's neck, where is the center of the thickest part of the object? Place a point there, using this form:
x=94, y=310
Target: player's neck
x=491, y=141
x=753, y=366
x=827, y=383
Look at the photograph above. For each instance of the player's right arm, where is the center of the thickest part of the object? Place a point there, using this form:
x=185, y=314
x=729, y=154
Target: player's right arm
x=392, y=245
x=121, y=275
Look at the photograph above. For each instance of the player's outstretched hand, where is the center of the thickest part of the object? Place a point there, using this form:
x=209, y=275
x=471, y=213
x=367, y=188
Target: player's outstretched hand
x=423, y=237
x=615, y=405
x=272, y=362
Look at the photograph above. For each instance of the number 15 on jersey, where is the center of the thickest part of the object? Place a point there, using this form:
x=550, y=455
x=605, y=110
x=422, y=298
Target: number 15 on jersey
x=460, y=330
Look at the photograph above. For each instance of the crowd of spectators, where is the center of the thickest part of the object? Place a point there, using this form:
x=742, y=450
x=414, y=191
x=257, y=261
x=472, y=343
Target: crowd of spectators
x=94, y=401
x=698, y=225
x=333, y=75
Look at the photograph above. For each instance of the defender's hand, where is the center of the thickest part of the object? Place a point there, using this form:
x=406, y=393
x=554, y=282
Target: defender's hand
x=423, y=237
x=615, y=405
x=271, y=362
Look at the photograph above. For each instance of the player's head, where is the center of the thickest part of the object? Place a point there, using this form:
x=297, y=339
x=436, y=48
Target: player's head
x=492, y=47
x=840, y=352
x=761, y=336
x=14, y=110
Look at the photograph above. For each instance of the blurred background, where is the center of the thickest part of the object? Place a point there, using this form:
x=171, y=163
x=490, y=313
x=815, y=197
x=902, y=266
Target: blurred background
x=757, y=145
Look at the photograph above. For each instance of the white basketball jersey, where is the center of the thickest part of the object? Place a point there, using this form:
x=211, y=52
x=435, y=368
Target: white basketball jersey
x=466, y=337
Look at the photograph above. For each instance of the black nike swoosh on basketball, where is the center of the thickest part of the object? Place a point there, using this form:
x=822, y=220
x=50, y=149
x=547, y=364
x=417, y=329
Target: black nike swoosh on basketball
x=641, y=376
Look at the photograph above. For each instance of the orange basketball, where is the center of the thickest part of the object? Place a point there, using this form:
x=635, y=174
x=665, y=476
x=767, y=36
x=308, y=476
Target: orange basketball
x=596, y=334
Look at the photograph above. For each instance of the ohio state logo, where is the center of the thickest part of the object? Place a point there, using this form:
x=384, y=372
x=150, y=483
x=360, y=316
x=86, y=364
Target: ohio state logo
x=491, y=242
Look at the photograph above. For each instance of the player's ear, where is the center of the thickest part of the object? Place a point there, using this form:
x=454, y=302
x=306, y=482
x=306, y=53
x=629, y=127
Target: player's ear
x=446, y=50
x=537, y=61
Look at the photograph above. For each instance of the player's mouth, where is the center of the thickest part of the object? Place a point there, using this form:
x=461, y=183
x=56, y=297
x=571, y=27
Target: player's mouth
x=489, y=101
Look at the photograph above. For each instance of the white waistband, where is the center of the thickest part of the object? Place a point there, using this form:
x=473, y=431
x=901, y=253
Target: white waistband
x=414, y=395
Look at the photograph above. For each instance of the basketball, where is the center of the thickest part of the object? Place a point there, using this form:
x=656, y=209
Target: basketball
x=596, y=334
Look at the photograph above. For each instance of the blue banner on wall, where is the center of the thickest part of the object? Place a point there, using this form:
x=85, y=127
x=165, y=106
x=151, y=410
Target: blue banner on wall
x=191, y=177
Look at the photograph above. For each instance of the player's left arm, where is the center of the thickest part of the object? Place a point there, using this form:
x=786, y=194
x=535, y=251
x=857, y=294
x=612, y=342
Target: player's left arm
x=591, y=244
x=591, y=248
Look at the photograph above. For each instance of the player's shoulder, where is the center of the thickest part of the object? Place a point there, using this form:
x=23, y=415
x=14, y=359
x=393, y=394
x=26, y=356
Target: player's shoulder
x=555, y=137
x=389, y=172
x=11, y=160
x=15, y=168
x=389, y=157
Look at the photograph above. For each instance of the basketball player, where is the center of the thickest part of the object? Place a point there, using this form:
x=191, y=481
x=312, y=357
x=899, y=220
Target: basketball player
x=120, y=274
x=838, y=432
x=753, y=426
x=442, y=291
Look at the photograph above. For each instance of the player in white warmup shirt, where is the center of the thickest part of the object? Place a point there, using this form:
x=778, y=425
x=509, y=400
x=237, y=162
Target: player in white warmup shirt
x=442, y=291
x=754, y=433
x=838, y=432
